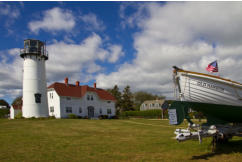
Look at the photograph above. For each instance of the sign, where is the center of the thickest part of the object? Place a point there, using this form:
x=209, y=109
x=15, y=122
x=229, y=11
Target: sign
x=172, y=116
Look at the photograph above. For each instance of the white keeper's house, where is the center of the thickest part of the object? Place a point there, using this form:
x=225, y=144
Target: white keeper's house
x=84, y=101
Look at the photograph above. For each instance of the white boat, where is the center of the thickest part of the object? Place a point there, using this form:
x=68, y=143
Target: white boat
x=205, y=88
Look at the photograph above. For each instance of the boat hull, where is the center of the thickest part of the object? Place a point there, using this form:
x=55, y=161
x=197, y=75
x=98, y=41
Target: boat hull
x=219, y=99
x=215, y=113
x=199, y=88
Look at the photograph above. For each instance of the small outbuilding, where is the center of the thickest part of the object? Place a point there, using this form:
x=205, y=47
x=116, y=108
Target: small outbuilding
x=16, y=109
x=152, y=104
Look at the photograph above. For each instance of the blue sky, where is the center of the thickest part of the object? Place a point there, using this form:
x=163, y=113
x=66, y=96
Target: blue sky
x=123, y=43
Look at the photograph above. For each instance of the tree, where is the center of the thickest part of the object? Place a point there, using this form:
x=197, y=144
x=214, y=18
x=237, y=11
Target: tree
x=117, y=94
x=4, y=103
x=127, y=100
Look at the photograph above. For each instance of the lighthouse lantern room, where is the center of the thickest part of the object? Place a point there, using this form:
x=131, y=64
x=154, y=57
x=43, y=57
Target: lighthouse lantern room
x=34, y=79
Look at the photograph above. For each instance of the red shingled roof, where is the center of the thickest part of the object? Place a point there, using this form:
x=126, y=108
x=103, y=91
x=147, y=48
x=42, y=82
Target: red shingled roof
x=71, y=90
x=18, y=105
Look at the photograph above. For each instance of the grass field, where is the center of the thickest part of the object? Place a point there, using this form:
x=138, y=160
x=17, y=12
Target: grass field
x=104, y=140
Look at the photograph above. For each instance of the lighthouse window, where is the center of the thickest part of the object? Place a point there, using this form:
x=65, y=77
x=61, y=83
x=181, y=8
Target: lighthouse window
x=37, y=97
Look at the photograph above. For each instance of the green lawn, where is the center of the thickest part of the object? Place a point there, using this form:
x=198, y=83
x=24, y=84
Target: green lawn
x=104, y=140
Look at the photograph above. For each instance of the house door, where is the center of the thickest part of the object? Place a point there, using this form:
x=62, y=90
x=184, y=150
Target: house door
x=90, y=110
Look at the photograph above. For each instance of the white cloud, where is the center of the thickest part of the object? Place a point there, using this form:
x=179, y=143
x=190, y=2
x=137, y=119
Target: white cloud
x=186, y=34
x=8, y=10
x=115, y=53
x=55, y=19
x=78, y=61
x=91, y=22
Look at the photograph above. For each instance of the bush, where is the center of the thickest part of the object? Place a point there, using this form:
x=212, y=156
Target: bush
x=72, y=116
x=51, y=117
x=4, y=113
x=113, y=117
x=145, y=114
x=19, y=116
x=79, y=117
x=103, y=116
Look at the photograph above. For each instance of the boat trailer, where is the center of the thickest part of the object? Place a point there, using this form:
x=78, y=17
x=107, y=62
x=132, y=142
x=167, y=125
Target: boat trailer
x=220, y=133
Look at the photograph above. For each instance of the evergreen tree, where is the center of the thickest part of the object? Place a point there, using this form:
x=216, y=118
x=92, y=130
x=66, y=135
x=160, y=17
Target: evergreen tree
x=117, y=94
x=127, y=100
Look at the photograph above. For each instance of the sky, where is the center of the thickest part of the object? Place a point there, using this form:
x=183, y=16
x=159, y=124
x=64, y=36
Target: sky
x=121, y=43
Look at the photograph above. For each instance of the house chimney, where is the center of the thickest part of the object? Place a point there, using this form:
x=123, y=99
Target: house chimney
x=77, y=83
x=95, y=85
x=66, y=80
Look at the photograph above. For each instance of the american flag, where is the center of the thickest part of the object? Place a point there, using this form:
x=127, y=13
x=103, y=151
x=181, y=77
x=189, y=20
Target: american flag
x=212, y=67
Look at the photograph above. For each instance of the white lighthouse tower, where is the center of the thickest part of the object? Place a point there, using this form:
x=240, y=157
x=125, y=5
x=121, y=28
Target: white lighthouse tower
x=34, y=79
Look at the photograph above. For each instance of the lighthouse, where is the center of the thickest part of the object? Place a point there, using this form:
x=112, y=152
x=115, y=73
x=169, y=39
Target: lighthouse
x=34, y=55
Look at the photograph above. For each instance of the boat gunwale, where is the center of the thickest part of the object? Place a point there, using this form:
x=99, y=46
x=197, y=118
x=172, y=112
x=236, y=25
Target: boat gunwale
x=212, y=76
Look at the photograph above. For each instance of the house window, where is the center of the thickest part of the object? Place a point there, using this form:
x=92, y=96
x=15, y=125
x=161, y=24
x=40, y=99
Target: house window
x=109, y=111
x=88, y=97
x=80, y=110
x=108, y=101
x=52, y=109
x=68, y=109
x=68, y=98
x=100, y=111
x=91, y=97
x=153, y=105
x=51, y=95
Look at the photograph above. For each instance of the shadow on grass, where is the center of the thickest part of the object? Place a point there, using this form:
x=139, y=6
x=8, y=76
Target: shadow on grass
x=227, y=148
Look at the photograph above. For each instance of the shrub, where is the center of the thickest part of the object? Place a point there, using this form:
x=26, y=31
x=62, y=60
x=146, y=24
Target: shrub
x=19, y=116
x=113, y=117
x=146, y=114
x=4, y=113
x=85, y=117
x=72, y=116
x=51, y=117
x=103, y=116
x=79, y=117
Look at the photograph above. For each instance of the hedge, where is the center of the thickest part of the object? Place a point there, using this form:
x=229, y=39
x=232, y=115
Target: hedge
x=146, y=114
x=4, y=113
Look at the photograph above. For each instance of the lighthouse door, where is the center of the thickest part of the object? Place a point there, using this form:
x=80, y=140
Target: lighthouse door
x=90, y=111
